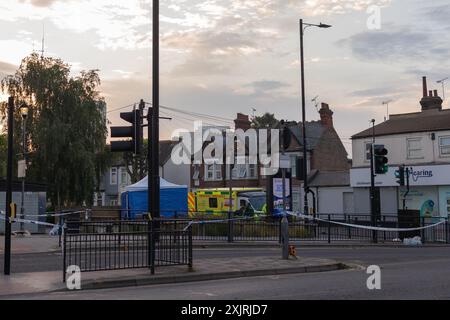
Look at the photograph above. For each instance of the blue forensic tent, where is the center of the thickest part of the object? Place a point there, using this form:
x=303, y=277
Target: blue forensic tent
x=173, y=199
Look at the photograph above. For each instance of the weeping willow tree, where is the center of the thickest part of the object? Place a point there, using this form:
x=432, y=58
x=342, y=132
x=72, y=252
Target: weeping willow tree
x=66, y=127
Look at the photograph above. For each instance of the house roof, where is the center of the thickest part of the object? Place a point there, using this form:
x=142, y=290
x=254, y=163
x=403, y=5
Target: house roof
x=314, y=131
x=425, y=121
x=165, y=150
x=330, y=179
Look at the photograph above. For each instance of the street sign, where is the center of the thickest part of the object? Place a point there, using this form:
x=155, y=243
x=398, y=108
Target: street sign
x=21, y=169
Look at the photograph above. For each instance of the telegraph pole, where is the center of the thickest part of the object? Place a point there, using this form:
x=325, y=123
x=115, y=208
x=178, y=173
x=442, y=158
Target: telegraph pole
x=7, y=258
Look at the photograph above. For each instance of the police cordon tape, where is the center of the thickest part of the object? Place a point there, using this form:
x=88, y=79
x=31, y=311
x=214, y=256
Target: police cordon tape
x=50, y=214
x=31, y=222
x=221, y=220
x=357, y=226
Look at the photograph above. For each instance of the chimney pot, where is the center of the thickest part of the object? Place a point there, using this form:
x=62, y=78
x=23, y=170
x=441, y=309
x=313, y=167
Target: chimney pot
x=425, y=89
x=326, y=115
x=430, y=93
x=435, y=93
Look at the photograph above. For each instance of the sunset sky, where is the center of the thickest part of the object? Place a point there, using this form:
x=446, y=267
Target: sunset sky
x=220, y=57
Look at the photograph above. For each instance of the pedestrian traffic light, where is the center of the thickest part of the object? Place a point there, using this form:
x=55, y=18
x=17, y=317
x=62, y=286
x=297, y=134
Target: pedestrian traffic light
x=400, y=175
x=134, y=132
x=380, y=159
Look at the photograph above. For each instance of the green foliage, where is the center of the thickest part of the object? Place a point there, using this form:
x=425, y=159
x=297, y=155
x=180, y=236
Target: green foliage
x=3, y=154
x=265, y=121
x=66, y=127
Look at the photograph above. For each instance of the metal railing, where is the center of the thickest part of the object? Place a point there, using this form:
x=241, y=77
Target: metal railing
x=115, y=245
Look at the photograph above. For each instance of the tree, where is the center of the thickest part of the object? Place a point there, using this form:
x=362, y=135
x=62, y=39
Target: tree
x=133, y=163
x=3, y=155
x=66, y=127
x=265, y=121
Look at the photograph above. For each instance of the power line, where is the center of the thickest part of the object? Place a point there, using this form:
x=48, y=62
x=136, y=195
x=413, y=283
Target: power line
x=121, y=108
x=197, y=114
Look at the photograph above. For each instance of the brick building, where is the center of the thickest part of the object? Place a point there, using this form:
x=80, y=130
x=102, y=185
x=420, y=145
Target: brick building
x=325, y=151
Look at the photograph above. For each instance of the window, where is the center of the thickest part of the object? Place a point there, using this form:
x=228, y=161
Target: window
x=444, y=146
x=196, y=174
x=213, y=172
x=294, y=166
x=123, y=176
x=252, y=171
x=414, y=148
x=213, y=203
x=368, y=146
x=113, y=176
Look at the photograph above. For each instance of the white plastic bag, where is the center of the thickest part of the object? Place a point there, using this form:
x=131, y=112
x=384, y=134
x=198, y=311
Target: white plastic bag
x=54, y=231
x=416, y=241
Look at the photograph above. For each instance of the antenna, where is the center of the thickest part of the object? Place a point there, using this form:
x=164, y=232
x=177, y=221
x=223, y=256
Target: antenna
x=386, y=103
x=316, y=102
x=443, y=86
x=43, y=40
x=253, y=112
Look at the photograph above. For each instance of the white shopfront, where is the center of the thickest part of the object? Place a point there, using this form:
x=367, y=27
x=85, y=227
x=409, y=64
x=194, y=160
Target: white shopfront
x=429, y=188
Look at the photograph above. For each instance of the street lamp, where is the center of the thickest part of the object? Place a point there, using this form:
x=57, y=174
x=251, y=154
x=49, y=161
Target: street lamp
x=303, y=27
x=24, y=113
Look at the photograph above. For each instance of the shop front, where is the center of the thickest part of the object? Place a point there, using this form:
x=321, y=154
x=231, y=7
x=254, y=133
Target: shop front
x=429, y=188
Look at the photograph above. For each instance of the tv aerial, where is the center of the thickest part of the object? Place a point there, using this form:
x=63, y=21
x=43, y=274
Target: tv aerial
x=442, y=81
x=316, y=102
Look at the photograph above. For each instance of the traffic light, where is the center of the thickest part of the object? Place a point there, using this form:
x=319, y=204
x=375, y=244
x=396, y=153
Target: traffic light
x=287, y=138
x=400, y=175
x=380, y=160
x=134, y=132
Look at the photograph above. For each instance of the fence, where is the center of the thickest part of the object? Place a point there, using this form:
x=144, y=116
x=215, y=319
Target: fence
x=115, y=245
x=268, y=229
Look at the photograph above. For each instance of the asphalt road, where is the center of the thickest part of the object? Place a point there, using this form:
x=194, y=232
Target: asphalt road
x=406, y=273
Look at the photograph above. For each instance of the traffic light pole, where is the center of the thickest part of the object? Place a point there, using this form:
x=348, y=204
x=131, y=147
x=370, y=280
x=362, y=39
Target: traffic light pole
x=372, y=183
x=153, y=157
x=407, y=189
x=7, y=258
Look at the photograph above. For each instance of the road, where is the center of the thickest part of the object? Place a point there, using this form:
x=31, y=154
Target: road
x=406, y=273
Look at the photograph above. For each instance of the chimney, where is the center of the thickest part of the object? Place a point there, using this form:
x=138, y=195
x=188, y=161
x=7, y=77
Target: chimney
x=242, y=122
x=425, y=89
x=430, y=99
x=326, y=115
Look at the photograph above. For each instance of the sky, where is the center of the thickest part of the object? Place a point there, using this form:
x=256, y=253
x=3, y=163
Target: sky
x=220, y=57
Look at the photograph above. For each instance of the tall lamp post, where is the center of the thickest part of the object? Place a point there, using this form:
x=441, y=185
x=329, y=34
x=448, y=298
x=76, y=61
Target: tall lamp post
x=24, y=113
x=303, y=27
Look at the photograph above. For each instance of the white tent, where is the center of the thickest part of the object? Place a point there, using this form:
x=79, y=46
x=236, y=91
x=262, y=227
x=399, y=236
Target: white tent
x=143, y=185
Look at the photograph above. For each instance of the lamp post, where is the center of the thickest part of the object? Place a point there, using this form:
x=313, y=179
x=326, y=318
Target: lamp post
x=303, y=27
x=24, y=113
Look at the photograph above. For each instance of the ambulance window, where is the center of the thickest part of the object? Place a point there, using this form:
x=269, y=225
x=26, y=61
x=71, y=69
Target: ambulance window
x=243, y=203
x=213, y=202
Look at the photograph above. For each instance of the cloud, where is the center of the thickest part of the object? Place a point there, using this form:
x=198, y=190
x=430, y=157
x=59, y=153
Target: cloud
x=40, y=3
x=401, y=44
x=267, y=85
x=7, y=68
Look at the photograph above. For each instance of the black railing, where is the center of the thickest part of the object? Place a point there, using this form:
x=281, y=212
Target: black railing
x=326, y=229
x=100, y=246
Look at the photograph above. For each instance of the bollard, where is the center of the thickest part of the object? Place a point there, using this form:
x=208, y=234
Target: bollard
x=446, y=232
x=329, y=229
x=285, y=238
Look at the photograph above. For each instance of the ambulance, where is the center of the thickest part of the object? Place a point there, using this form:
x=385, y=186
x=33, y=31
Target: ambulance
x=245, y=201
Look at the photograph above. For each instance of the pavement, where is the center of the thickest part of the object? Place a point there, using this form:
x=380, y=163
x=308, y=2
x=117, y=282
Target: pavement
x=47, y=244
x=35, y=244
x=203, y=270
